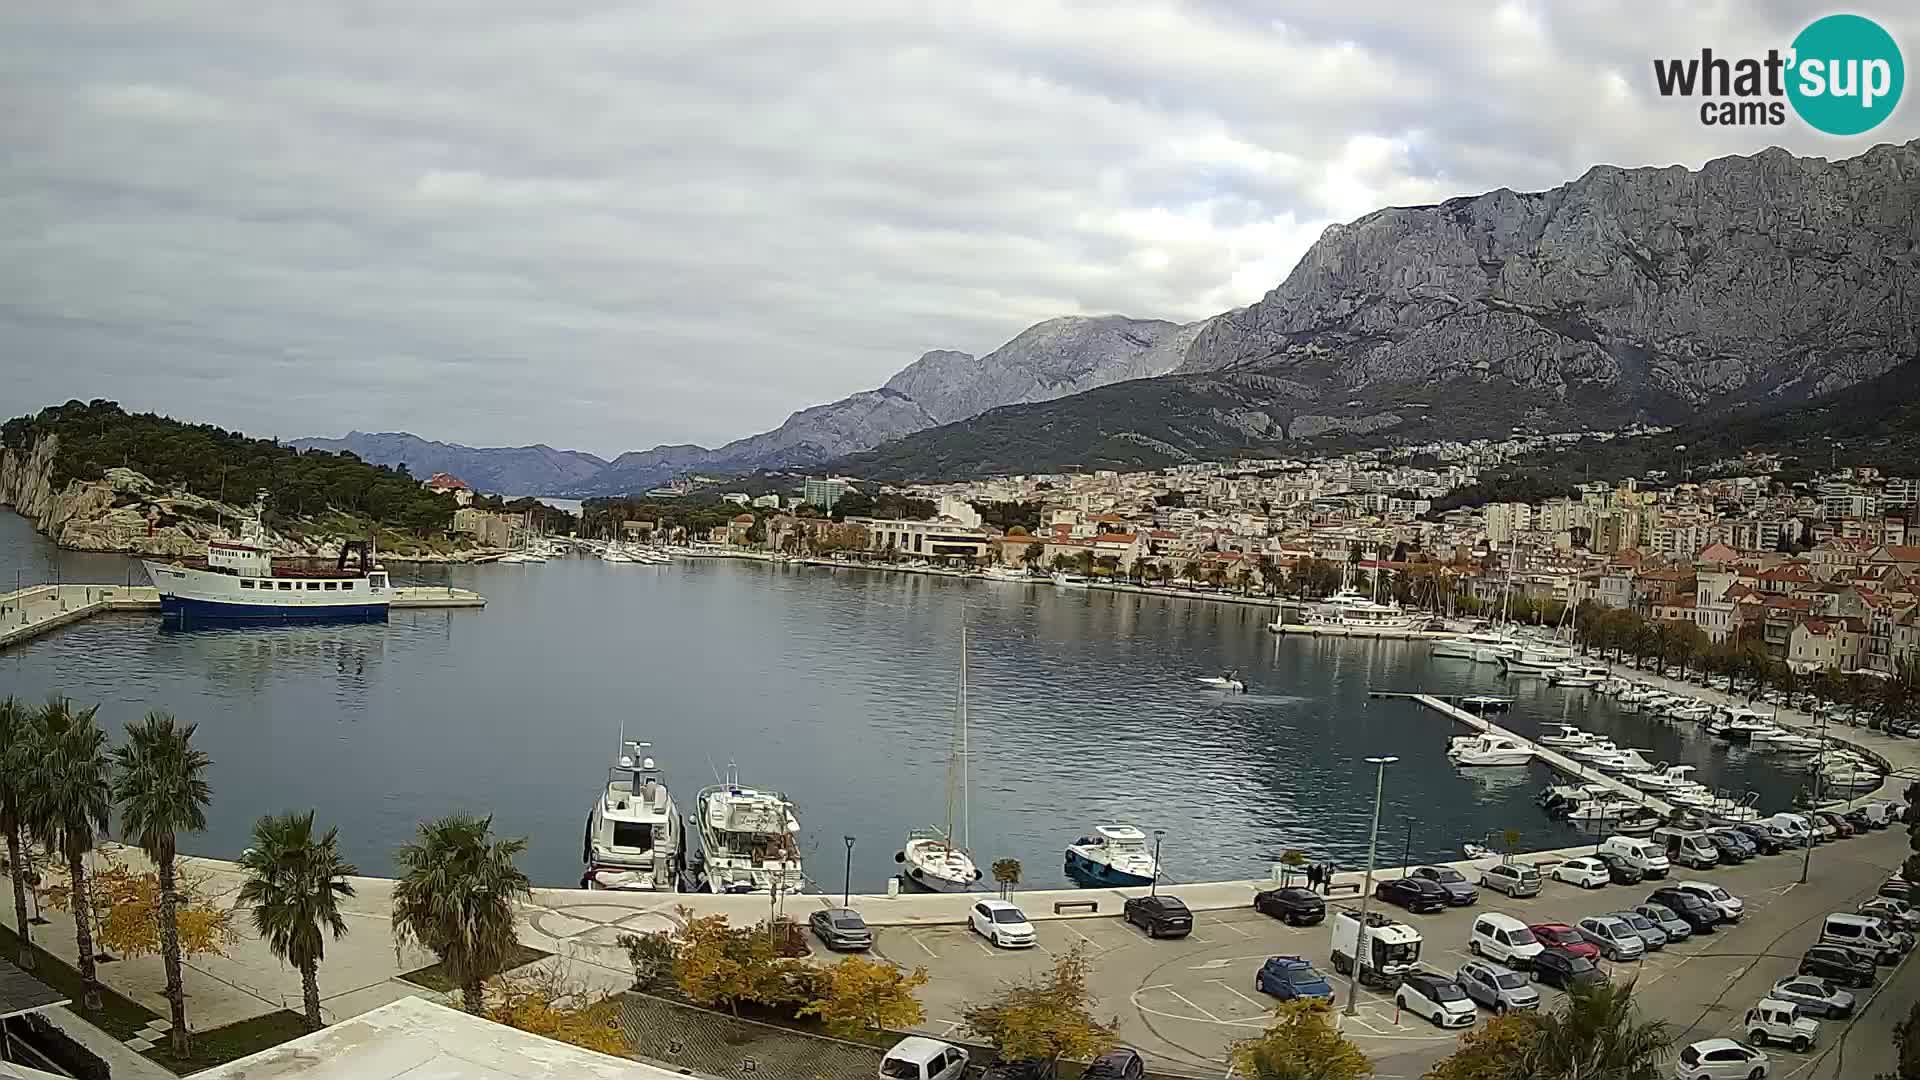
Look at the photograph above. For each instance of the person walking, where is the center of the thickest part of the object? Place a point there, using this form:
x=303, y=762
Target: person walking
x=1313, y=877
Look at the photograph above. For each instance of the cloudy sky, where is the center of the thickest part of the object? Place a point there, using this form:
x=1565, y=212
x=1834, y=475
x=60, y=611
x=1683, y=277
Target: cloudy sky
x=606, y=225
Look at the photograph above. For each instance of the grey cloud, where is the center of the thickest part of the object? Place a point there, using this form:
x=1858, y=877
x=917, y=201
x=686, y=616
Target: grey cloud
x=607, y=225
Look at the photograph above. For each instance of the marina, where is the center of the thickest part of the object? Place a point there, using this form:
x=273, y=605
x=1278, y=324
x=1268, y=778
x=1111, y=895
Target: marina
x=836, y=689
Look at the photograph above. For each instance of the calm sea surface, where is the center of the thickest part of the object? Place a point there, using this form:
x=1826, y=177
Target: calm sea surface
x=836, y=687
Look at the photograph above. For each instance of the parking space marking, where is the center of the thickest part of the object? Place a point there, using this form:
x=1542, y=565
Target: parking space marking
x=1189, y=1004
x=1230, y=926
x=923, y=946
x=1222, y=984
x=1070, y=928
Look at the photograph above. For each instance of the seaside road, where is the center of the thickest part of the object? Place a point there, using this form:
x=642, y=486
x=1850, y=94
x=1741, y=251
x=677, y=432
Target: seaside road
x=1184, y=1002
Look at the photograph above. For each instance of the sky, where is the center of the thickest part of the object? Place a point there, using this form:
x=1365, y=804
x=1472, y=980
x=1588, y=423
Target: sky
x=606, y=224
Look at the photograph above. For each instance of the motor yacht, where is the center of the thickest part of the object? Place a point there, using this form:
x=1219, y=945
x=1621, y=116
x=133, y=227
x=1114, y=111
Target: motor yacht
x=1566, y=735
x=1486, y=750
x=634, y=840
x=747, y=840
x=1112, y=856
x=1665, y=778
x=1349, y=609
x=1469, y=646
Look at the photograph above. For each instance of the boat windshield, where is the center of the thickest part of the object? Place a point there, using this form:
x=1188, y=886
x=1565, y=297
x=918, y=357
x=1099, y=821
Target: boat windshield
x=632, y=834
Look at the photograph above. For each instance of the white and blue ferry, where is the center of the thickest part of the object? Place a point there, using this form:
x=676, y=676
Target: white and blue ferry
x=237, y=582
x=1114, y=855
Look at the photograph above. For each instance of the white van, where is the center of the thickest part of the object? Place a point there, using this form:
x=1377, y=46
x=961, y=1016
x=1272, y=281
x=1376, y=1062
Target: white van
x=1864, y=932
x=1640, y=854
x=1688, y=847
x=919, y=1058
x=1504, y=939
x=1790, y=829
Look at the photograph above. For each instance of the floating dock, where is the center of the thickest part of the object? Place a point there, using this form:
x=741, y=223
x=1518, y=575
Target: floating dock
x=1586, y=774
x=1319, y=630
x=30, y=612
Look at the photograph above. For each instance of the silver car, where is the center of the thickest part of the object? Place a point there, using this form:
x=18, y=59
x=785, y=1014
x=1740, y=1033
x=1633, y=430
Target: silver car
x=1497, y=988
x=1662, y=916
x=1814, y=996
x=1613, y=937
x=1649, y=932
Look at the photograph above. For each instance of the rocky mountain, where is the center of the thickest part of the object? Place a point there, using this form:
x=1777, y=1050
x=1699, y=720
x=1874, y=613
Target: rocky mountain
x=509, y=470
x=1628, y=294
x=1045, y=361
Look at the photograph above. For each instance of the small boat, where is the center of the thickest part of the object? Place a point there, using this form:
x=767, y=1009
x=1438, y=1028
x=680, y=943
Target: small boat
x=1573, y=679
x=1533, y=660
x=1478, y=851
x=1070, y=581
x=521, y=557
x=1006, y=573
x=1640, y=823
x=1230, y=681
x=1113, y=855
x=1597, y=750
x=1565, y=735
x=1631, y=760
x=1485, y=703
x=1468, y=646
x=616, y=552
x=1487, y=750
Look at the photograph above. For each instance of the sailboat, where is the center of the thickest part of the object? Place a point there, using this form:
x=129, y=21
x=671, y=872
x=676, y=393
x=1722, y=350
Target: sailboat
x=931, y=858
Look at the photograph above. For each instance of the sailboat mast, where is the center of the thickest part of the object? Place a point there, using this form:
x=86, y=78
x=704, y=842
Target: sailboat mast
x=953, y=746
x=966, y=784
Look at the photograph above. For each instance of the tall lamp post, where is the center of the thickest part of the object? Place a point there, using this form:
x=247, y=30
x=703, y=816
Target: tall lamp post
x=1366, y=891
x=1819, y=777
x=1154, y=889
x=846, y=887
x=1406, y=857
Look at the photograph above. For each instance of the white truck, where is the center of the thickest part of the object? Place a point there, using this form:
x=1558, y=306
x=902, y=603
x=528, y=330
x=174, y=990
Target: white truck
x=1386, y=950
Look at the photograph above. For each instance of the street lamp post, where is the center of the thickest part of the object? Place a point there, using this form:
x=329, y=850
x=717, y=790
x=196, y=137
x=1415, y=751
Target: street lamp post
x=846, y=887
x=1819, y=776
x=1406, y=856
x=1366, y=891
x=1154, y=889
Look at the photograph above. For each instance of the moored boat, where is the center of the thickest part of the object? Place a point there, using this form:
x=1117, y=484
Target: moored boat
x=1487, y=750
x=1111, y=856
x=747, y=840
x=634, y=839
x=238, y=582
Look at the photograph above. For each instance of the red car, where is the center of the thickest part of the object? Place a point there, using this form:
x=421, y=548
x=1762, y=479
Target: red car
x=1566, y=937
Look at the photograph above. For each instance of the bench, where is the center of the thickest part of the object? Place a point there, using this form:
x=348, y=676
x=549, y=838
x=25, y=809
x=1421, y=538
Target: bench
x=1336, y=887
x=1061, y=907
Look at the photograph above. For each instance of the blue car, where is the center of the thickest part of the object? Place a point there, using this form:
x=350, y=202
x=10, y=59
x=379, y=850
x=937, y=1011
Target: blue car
x=1290, y=977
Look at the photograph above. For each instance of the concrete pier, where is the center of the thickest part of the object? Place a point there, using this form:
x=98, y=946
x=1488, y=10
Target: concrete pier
x=30, y=612
x=1586, y=774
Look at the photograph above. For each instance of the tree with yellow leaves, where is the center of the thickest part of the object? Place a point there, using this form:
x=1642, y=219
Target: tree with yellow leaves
x=863, y=994
x=1301, y=1044
x=1048, y=1016
x=1495, y=1052
x=126, y=910
x=544, y=1001
x=718, y=964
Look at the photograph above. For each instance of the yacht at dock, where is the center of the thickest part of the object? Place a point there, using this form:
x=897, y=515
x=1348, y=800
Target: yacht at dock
x=237, y=581
x=634, y=837
x=748, y=840
x=1112, y=856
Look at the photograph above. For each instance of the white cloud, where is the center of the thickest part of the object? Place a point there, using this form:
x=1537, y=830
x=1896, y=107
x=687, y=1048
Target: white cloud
x=609, y=225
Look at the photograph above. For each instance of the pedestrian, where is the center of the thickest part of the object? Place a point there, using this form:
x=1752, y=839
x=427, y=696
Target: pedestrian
x=1313, y=877
x=1326, y=878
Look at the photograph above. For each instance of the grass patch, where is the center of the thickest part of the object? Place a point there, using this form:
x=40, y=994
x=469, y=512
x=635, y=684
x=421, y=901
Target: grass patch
x=118, y=1016
x=236, y=1040
x=433, y=977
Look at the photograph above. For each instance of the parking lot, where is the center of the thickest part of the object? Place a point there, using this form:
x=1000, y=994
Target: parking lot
x=1184, y=1002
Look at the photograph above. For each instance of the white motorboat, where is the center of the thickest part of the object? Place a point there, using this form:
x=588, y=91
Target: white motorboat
x=1632, y=759
x=1665, y=778
x=1468, y=646
x=616, y=552
x=1596, y=750
x=1070, y=581
x=1613, y=761
x=1229, y=681
x=1566, y=735
x=524, y=556
x=931, y=859
x=1485, y=703
x=1574, y=679
x=1349, y=609
x=1536, y=660
x=634, y=839
x=1490, y=750
x=1792, y=743
x=1007, y=573
x=1112, y=856
x=1477, y=851
x=747, y=840
x=1691, y=711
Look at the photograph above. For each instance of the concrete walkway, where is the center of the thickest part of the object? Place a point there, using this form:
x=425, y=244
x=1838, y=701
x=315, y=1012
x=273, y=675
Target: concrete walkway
x=1563, y=763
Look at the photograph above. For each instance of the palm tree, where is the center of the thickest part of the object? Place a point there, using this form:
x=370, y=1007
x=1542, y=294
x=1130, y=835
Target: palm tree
x=67, y=806
x=160, y=785
x=294, y=885
x=455, y=896
x=1598, y=1032
x=16, y=741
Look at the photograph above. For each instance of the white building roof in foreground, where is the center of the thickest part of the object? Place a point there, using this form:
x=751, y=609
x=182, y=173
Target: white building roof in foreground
x=419, y=1040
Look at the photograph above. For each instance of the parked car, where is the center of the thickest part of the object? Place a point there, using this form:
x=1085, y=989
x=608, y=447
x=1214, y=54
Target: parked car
x=1720, y=1059
x=1732, y=852
x=1814, y=995
x=1121, y=1064
x=1699, y=914
x=1503, y=938
x=1729, y=906
x=1899, y=888
x=1586, y=871
x=1643, y=854
x=1857, y=817
x=1670, y=924
x=1839, y=964
x=1776, y=1021
x=1842, y=828
x=1766, y=842
x=1560, y=935
x=1902, y=915
x=1436, y=997
x=1292, y=905
x=1417, y=895
x=1620, y=871
x=918, y=1058
x=1496, y=987
x=1290, y=977
x=1460, y=892
x=1159, y=915
x=1516, y=880
x=1027, y=1069
x=1560, y=967
x=1613, y=936
x=1001, y=923
x=1867, y=934
x=841, y=929
x=1649, y=932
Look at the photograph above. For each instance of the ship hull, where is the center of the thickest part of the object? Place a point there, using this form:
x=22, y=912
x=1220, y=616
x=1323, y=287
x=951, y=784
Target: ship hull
x=197, y=610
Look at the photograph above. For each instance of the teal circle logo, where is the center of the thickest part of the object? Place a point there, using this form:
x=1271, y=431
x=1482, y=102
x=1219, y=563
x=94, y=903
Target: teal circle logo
x=1847, y=74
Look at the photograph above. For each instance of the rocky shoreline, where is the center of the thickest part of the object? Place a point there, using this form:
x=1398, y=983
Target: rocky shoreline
x=126, y=513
